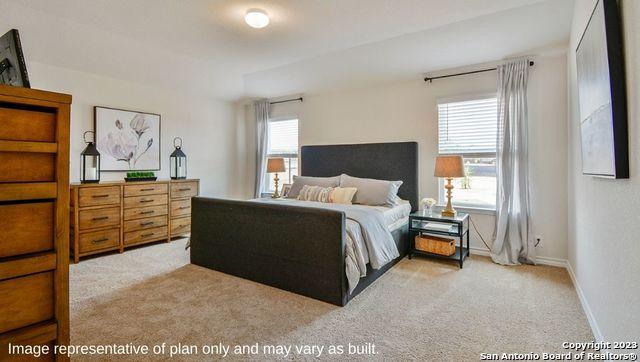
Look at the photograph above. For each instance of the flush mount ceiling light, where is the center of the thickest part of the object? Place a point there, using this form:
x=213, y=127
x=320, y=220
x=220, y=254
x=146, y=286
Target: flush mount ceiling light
x=256, y=18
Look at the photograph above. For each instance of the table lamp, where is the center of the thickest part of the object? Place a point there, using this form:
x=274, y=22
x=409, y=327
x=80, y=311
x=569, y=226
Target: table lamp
x=449, y=167
x=275, y=165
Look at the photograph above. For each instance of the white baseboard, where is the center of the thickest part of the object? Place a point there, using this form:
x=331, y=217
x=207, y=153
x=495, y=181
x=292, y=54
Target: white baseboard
x=585, y=306
x=562, y=263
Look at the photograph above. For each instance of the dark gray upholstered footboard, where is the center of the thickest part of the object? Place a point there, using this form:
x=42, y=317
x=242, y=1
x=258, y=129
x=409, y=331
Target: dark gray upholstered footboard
x=292, y=248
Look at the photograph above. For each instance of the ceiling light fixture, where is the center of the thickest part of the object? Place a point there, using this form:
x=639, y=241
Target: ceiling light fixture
x=256, y=18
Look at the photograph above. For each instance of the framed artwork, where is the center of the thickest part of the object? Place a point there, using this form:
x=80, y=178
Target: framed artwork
x=127, y=140
x=285, y=189
x=13, y=70
x=602, y=95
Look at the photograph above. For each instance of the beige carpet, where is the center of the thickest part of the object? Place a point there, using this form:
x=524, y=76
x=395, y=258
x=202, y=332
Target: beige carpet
x=420, y=310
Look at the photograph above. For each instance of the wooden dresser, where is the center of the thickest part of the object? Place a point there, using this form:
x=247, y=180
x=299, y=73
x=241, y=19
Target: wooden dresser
x=114, y=215
x=34, y=218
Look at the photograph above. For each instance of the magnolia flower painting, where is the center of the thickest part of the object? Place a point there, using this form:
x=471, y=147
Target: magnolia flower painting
x=127, y=140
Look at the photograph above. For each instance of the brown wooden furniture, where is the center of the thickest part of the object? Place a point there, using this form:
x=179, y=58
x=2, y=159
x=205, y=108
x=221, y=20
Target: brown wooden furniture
x=115, y=215
x=34, y=217
x=180, y=208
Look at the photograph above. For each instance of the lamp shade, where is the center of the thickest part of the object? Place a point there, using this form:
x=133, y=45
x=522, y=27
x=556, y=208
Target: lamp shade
x=275, y=165
x=449, y=166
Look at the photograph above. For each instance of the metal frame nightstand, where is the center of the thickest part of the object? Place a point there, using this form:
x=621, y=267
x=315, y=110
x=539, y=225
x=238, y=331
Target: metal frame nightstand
x=418, y=224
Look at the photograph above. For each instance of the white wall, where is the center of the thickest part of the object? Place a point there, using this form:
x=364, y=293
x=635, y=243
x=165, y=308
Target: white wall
x=406, y=111
x=604, y=233
x=61, y=56
x=206, y=126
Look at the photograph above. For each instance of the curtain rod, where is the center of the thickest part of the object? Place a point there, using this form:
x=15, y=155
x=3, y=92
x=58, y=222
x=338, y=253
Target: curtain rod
x=287, y=100
x=431, y=79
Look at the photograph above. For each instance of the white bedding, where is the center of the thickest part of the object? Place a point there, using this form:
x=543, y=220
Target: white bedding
x=357, y=248
x=395, y=216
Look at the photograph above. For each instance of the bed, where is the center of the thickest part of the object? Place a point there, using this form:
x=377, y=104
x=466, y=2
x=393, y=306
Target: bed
x=298, y=248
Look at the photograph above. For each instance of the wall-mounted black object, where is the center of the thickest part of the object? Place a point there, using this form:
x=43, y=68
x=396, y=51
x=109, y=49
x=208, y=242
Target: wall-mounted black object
x=13, y=69
x=602, y=95
x=431, y=79
x=287, y=100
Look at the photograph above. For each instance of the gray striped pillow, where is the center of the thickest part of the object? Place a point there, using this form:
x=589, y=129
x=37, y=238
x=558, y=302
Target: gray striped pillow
x=315, y=193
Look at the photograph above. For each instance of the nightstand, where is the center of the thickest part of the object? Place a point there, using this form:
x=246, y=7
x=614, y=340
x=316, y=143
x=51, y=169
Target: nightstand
x=422, y=222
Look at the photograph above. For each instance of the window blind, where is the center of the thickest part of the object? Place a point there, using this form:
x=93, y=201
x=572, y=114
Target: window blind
x=283, y=138
x=468, y=127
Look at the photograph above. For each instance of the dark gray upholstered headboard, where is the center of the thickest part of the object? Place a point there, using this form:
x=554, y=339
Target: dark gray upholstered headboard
x=383, y=161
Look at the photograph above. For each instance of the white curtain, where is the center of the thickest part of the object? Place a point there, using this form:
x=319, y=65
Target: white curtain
x=513, y=243
x=262, y=109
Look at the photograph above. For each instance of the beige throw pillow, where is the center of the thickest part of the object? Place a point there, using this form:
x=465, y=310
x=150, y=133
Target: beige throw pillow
x=300, y=181
x=342, y=195
x=315, y=193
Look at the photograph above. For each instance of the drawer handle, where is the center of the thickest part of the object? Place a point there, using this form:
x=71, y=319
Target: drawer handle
x=100, y=218
x=96, y=241
x=143, y=201
x=99, y=196
x=184, y=207
x=147, y=223
x=185, y=189
x=150, y=189
x=146, y=235
x=147, y=212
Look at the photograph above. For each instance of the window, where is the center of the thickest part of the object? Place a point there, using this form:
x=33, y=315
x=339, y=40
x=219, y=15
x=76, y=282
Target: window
x=469, y=128
x=283, y=142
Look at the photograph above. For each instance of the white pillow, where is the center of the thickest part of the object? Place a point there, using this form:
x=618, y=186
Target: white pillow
x=342, y=195
x=371, y=191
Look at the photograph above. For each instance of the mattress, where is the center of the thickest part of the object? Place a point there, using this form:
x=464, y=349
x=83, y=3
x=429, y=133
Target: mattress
x=396, y=216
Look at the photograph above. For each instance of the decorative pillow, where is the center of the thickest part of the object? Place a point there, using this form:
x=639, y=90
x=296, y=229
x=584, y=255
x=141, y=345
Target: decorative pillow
x=342, y=195
x=371, y=191
x=315, y=193
x=299, y=181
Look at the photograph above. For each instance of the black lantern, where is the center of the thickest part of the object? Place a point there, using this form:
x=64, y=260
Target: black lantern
x=178, y=161
x=90, y=161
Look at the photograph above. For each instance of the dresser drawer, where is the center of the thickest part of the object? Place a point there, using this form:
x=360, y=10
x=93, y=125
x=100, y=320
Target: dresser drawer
x=30, y=230
x=97, y=196
x=140, y=236
x=27, y=125
x=142, y=201
x=181, y=208
x=97, y=240
x=26, y=300
x=97, y=218
x=27, y=167
x=149, y=189
x=147, y=223
x=183, y=189
x=180, y=226
x=143, y=212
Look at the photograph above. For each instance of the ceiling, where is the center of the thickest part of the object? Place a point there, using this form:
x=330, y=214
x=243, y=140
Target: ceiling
x=204, y=46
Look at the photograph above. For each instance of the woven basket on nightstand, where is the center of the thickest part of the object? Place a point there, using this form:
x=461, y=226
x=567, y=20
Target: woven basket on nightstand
x=435, y=245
